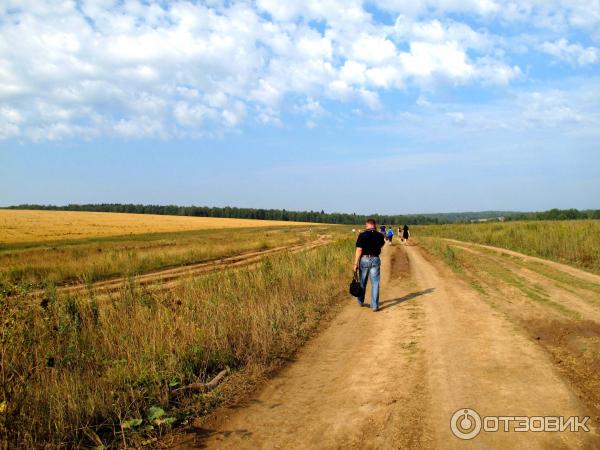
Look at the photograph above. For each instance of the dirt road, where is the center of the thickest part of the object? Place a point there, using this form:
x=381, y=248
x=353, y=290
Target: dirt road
x=164, y=279
x=394, y=378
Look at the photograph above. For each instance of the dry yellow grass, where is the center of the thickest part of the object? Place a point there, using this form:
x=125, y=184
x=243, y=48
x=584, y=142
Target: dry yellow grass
x=78, y=369
x=19, y=226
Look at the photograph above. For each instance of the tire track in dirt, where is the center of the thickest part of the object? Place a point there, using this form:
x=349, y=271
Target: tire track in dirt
x=577, y=300
x=393, y=379
x=479, y=359
x=345, y=386
x=558, y=314
x=591, y=277
x=168, y=278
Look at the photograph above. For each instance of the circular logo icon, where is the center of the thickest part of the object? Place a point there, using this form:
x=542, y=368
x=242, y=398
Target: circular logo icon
x=465, y=424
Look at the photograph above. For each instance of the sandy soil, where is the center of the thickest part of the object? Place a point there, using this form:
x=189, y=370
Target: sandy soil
x=393, y=379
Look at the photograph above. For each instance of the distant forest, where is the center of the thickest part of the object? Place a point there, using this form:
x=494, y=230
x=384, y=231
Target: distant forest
x=321, y=216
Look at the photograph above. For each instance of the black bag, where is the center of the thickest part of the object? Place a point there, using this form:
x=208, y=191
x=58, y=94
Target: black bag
x=356, y=288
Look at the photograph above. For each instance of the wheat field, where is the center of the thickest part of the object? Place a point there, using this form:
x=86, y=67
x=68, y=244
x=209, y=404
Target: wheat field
x=21, y=226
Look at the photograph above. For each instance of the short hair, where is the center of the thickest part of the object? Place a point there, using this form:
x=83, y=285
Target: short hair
x=371, y=222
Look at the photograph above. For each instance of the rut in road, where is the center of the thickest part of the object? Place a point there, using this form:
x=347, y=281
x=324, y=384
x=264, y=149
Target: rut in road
x=168, y=278
x=393, y=379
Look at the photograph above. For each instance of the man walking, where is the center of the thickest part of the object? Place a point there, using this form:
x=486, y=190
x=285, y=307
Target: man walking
x=366, y=258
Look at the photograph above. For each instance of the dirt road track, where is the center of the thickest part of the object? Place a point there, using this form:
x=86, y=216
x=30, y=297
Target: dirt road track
x=393, y=379
x=167, y=278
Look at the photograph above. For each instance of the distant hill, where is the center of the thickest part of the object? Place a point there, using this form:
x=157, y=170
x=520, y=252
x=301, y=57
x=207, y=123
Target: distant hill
x=321, y=216
x=461, y=217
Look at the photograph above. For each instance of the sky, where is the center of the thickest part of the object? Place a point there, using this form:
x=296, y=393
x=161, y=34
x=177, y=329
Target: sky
x=388, y=106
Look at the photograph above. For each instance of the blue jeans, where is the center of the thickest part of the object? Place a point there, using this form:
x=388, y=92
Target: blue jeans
x=369, y=268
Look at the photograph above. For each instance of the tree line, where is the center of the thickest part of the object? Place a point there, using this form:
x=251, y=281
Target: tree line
x=236, y=213
x=558, y=214
x=317, y=216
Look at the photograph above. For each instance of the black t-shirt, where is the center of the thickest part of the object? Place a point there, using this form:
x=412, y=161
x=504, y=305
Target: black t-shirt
x=371, y=242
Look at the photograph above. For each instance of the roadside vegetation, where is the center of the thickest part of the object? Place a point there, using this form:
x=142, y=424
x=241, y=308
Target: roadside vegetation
x=90, y=370
x=477, y=268
x=571, y=242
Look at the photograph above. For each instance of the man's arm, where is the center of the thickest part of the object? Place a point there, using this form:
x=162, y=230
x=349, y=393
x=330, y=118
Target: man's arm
x=357, y=256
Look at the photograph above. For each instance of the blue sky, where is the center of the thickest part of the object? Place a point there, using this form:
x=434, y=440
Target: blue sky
x=384, y=106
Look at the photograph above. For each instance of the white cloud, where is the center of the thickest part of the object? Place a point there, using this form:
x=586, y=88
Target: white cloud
x=312, y=107
x=9, y=122
x=340, y=90
x=269, y=116
x=353, y=72
x=370, y=98
x=140, y=126
x=572, y=53
x=437, y=31
x=547, y=112
x=423, y=102
x=192, y=115
x=550, y=109
x=495, y=72
x=425, y=59
x=557, y=15
x=157, y=69
x=457, y=118
x=234, y=114
x=372, y=49
x=385, y=76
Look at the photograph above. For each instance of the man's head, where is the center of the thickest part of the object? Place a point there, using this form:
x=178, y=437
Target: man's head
x=370, y=223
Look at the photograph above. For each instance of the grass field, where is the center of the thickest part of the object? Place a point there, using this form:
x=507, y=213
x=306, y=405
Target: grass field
x=93, y=259
x=44, y=248
x=23, y=226
x=575, y=242
x=85, y=368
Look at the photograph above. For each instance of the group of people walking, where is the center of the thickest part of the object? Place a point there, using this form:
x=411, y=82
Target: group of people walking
x=366, y=258
x=388, y=233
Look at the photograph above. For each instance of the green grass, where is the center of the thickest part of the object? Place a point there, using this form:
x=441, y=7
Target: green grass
x=447, y=253
x=454, y=259
x=575, y=242
x=468, y=266
x=561, y=277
